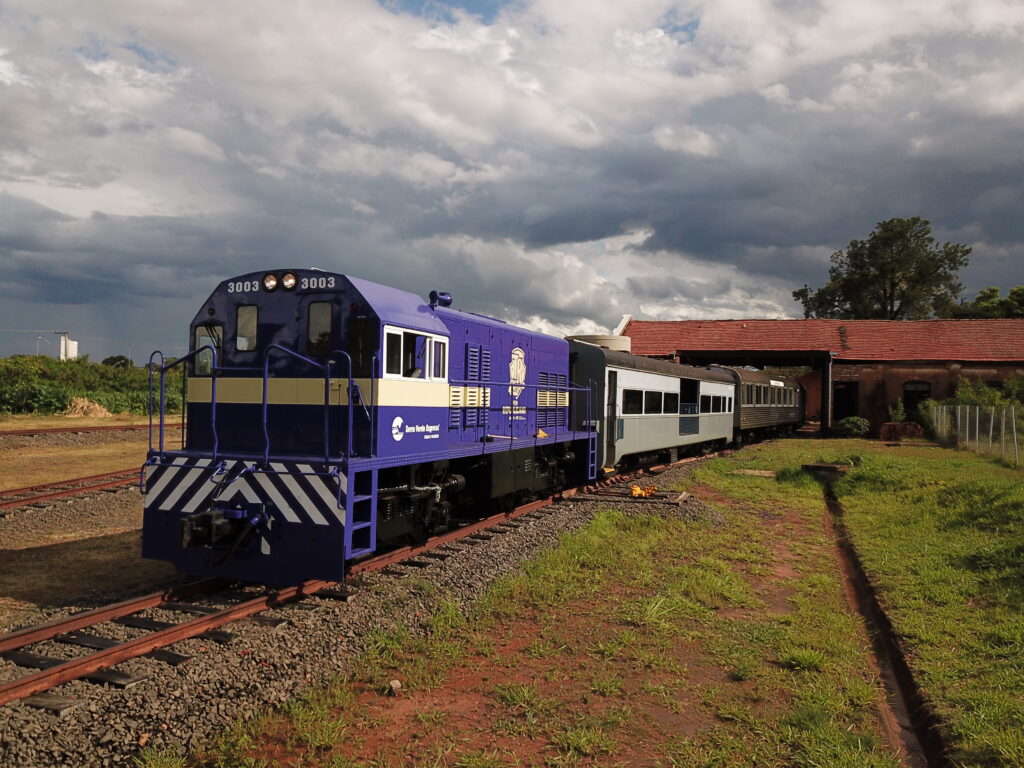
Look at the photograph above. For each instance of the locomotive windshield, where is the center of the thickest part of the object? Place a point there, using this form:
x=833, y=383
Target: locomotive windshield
x=207, y=336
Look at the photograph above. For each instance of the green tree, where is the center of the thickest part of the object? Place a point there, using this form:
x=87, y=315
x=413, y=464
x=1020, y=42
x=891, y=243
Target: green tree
x=989, y=304
x=899, y=273
x=119, y=361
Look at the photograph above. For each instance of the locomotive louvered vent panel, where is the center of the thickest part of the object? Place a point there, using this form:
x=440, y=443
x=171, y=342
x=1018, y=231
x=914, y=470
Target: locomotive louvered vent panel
x=485, y=392
x=455, y=395
x=472, y=411
x=551, y=403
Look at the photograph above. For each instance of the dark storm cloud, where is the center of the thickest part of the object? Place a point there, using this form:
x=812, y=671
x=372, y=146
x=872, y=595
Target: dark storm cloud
x=563, y=164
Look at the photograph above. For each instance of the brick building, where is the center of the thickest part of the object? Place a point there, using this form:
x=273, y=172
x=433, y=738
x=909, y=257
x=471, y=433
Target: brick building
x=860, y=367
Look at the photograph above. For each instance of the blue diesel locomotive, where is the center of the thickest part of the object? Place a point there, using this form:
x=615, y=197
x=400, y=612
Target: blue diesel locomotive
x=327, y=416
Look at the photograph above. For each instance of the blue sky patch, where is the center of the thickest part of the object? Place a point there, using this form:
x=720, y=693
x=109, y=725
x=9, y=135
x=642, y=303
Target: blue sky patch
x=486, y=10
x=154, y=58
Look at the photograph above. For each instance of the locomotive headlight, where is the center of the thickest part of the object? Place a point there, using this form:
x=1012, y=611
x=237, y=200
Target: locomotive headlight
x=288, y=281
x=270, y=282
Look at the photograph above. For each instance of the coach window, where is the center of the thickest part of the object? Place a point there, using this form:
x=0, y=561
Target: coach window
x=319, y=332
x=671, y=402
x=716, y=404
x=705, y=403
x=440, y=359
x=632, y=401
x=689, y=395
x=652, y=402
x=206, y=336
x=246, y=322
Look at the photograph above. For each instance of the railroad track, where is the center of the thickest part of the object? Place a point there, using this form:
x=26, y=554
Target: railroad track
x=76, y=430
x=35, y=494
x=98, y=666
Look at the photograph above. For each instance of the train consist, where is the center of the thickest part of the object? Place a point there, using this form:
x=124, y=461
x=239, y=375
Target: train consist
x=329, y=416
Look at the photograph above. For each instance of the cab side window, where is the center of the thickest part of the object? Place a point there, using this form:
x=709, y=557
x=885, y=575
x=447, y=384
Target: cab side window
x=393, y=353
x=414, y=355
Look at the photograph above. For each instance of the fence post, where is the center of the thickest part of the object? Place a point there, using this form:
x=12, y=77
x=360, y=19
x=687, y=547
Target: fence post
x=1002, y=432
x=1013, y=423
x=991, y=423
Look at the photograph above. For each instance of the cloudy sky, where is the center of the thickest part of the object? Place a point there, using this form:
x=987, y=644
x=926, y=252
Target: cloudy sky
x=552, y=162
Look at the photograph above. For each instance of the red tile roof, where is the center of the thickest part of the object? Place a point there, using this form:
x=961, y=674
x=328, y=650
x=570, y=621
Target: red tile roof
x=966, y=340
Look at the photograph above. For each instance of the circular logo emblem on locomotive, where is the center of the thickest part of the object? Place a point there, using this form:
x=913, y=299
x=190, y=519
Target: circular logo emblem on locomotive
x=517, y=374
x=398, y=428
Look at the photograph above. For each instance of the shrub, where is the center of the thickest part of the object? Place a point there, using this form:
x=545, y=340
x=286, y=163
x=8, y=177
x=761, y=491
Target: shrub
x=39, y=384
x=855, y=426
x=897, y=412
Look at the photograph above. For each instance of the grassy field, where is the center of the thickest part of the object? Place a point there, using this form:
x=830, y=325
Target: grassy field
x=941, y=534
x=40, y=421
x=51, y=463
x=723, y=639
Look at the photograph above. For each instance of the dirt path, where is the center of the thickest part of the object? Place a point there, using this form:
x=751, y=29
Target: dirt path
x=701, y=649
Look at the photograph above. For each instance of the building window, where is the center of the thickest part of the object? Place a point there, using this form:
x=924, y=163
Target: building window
x=914, y=393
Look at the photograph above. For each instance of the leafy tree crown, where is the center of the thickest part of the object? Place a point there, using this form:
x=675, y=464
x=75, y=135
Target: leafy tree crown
x=899, y=272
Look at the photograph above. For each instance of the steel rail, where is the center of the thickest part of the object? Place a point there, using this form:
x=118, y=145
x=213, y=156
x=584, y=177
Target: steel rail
x=69, y=481
x=128, y=476
x=51, y=629
x=75, y=430
x=77, y=668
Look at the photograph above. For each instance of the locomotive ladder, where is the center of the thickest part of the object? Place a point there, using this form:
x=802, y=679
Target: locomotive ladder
x=361, y=513
x=592, y=434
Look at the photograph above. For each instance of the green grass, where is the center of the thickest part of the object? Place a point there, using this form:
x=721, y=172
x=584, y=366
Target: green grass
x=670, y=618
x=941, y=534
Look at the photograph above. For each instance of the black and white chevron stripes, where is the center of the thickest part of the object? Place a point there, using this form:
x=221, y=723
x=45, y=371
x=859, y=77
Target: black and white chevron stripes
x=297, y=492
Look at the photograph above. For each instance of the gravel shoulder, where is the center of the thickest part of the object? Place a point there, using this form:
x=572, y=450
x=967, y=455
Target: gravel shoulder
x=262, y=666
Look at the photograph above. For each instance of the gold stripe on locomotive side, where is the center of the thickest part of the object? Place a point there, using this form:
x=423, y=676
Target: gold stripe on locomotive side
x=308, y=391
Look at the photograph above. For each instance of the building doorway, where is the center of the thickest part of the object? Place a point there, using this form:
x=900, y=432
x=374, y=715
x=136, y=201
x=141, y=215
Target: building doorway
x=914, y=393
x=845, y=399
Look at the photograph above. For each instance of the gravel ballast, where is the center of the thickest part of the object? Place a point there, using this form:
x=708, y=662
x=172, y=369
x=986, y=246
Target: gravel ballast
x=263, y=666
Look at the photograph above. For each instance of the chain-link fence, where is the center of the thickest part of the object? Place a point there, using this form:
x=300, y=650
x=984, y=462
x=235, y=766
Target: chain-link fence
x=991, y=430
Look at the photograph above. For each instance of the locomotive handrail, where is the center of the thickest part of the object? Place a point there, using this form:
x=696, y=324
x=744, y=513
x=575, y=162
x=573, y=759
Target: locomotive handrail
x=351, y=411
x=149, y=403
x=570, y=387
x=163, y=395
x=374, y=370
x=327, y=398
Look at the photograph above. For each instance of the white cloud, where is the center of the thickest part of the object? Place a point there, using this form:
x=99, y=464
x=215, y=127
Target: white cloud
x=671, y=158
